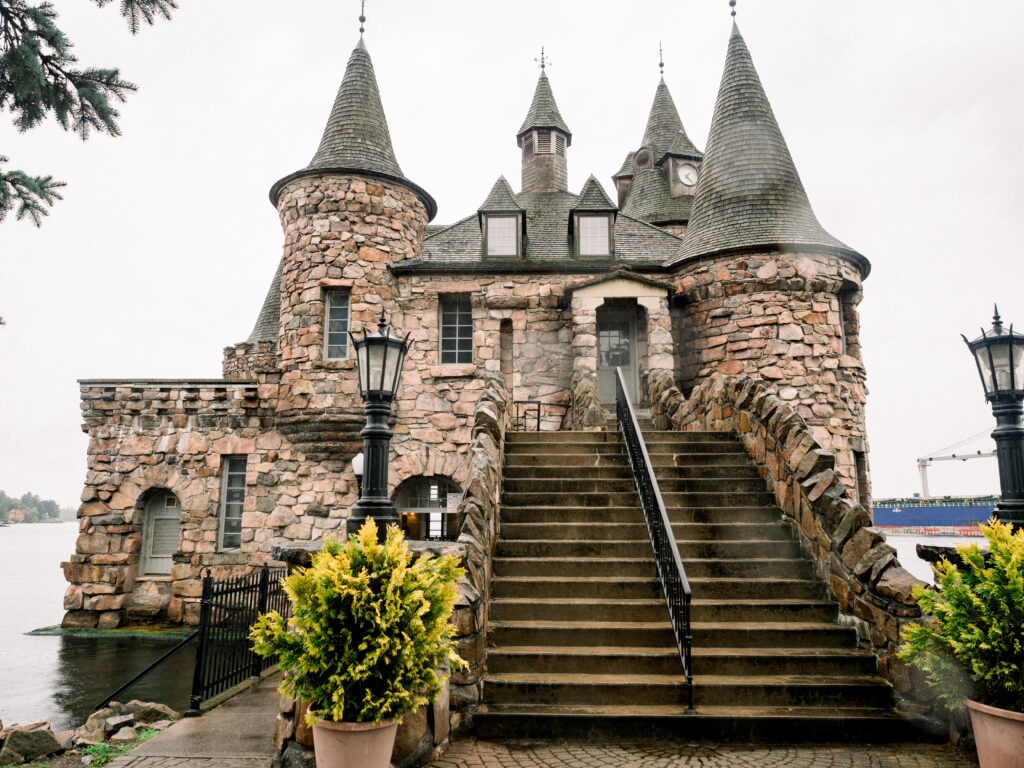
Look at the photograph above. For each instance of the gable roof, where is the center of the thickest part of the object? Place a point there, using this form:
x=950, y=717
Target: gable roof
x=500, y=198
x=665, y=132
x=749, y=194
x=544, y=111
x=356, y=137
x=621, y=273
x=650, y=198
x=594, y=198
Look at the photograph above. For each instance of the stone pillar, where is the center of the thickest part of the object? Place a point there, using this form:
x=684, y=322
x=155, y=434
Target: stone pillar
x=584, y=335
x=659, y=333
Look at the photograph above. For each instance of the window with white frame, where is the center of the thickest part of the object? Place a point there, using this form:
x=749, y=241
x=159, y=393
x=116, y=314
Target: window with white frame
x=336, y=325
x=456, y=329
x=501, y=235
x=594, y=236
x=232, y=500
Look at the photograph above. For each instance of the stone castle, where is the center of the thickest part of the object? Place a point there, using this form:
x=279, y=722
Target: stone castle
x=700, y=264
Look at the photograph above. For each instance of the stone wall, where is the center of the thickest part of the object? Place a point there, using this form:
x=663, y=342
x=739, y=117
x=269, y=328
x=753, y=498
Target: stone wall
x=863, y=574
x=247, y=361
x=777, y=316
x=587, y=412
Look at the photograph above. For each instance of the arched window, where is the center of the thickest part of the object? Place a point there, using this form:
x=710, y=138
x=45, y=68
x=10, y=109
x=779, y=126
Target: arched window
x=161, y=524
x=423, y=503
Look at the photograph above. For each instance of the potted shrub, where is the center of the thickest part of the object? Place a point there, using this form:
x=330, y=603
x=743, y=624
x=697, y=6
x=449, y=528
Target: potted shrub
x=972, y=648
x=369, y=627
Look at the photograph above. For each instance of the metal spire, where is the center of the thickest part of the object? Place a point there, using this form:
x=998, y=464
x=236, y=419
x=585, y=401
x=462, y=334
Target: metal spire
x=732, y=4
x=661, y=61
x=543, y=60
x=997, y=322
x=362, y=17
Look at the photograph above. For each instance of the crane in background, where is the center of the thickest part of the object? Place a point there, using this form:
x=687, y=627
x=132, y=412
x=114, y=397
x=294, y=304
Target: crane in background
x=941, y=455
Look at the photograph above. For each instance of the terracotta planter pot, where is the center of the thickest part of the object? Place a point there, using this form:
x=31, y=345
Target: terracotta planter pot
x=999, y=734
x=354, y=745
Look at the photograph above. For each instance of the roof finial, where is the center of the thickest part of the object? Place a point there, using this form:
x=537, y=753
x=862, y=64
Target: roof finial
x=732, y=4
x=543, y=60
x=997, y=322
x=661, y=61
x=362, y=17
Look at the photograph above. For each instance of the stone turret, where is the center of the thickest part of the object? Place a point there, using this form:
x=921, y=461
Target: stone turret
x=544, y=139
x=346, y=216
x=763, y=289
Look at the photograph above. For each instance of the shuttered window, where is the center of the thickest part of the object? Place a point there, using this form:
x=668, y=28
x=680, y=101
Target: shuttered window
x=232, y=501
x=336, y=324
x=456, y=329
x=544, y=142
x=560, y=144
x=528, y=144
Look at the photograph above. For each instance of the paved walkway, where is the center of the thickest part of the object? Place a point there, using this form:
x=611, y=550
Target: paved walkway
x=237, y=734
x=483, y=754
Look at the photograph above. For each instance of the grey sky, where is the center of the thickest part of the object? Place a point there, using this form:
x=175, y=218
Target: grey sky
x=903, y=119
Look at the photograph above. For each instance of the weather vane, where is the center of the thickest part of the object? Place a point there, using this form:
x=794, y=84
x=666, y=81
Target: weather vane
x=661, y=60
x=732, y=4
x=362, y=16
x=543, y=60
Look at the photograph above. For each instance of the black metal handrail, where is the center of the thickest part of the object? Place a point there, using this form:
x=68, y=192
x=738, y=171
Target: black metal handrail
x=173, y=652
x=671, y=573
x=522, y=410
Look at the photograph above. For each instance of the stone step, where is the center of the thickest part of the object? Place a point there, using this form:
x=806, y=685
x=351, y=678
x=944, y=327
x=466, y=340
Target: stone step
x=626, y=484
x=706, y=634
x=563, y=436
x=762, y=725
x=631, y=513
x=663, y=436
x=628, y=498
x=750, y=574
x=767, y=587
x=709, y=690
x=552, y=604
x=589, y=448
x=606, y=588
x=661, y=458
x=599, y=529
x=738, y=472
x=641, y=546
x=549, y=460
x=666, y=661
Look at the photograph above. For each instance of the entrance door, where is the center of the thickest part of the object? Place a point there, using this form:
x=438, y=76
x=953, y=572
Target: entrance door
x=160, y=533
x=616, y=346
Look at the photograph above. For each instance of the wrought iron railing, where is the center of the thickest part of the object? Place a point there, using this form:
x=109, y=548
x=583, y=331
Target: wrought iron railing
x=671, y=573
x=526, y=415
x=224, y=655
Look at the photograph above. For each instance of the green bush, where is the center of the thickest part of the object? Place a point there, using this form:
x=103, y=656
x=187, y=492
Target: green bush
x=974, y=647
x=369, y=627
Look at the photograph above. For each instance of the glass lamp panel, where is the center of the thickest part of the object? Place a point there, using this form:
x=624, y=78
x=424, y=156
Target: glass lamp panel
x=388, y=382
x=981, y=353
x=1001, y=363
x=399, y=362
x=374, y=365
x=1018, y=363
x=364, y=367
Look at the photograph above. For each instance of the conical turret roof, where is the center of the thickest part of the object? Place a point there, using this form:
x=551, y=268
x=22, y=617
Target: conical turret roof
x=593, y=197
x=356, y=137
x=501, y=197
x=269, y=319
x=749, y=194
x=544, y=111
x=665, y=132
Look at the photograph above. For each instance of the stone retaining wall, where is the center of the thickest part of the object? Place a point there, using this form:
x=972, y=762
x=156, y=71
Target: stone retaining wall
x=587, y=413
x=872, y=588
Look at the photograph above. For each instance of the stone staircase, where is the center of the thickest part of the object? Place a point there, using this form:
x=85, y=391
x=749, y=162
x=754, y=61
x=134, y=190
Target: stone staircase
x=580, y=639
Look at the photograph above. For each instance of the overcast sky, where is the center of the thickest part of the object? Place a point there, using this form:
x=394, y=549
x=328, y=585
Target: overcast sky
x=904, y=120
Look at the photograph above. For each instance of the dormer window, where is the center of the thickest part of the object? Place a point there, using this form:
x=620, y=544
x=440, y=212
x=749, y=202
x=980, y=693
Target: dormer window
x=594, y=235
x=501, y=236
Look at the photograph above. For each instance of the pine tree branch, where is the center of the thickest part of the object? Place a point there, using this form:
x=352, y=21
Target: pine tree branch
x=138, y=11
x=30, y=194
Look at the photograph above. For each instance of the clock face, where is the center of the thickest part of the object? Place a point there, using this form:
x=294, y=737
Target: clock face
x=687, y=174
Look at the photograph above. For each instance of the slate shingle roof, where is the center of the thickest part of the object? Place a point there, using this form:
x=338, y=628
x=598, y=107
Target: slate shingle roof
x=749, y=193
x=665, y=130
x=649, y=198
x=544, y=111
x=626, y=171
x=270, y=314
x=356, y=137
x=547, y=242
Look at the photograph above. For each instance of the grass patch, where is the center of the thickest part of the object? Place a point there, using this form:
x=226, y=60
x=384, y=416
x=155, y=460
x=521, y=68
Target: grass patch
x=104, y=753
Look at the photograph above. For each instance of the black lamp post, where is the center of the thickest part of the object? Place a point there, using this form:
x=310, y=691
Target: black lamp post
x=999, y=355
x=379, y=358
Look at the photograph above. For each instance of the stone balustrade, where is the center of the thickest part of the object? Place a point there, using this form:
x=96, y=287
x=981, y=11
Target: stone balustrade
x=864, y=576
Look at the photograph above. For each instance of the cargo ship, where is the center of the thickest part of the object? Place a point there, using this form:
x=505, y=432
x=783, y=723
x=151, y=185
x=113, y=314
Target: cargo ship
x=944, y=516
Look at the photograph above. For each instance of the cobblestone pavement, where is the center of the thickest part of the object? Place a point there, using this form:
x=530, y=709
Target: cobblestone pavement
x=483, y=754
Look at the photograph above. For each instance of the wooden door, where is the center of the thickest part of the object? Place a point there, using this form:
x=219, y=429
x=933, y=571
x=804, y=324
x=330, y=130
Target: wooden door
x=161, y=527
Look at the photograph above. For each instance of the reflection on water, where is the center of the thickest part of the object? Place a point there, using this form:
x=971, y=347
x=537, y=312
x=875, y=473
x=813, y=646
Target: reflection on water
x=906, y=551
x=61, y=679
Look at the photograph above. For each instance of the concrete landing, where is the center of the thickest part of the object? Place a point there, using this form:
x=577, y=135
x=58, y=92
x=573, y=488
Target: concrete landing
x=236, y=734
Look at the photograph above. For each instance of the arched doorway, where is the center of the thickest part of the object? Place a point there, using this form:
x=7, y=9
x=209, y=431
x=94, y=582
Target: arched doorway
x=422, y=506
x=161, y=526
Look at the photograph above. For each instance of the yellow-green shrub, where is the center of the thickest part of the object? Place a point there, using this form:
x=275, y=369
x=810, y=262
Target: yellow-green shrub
x=975, y=647
x=369, y=627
